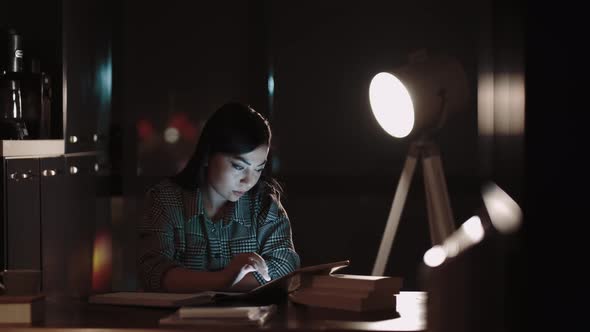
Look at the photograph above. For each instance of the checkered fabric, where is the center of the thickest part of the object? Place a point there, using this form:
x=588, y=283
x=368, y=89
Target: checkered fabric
x=175, y=231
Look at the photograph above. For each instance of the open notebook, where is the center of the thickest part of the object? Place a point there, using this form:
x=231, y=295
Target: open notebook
x=286, y=284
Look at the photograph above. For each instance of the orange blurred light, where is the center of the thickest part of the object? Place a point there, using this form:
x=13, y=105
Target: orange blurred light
x=102, y=263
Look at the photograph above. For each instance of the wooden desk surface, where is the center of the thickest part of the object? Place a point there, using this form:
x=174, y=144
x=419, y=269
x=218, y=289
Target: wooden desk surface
x=410, y=316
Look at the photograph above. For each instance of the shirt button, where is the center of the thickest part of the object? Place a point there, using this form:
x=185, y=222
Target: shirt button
x=213, y=230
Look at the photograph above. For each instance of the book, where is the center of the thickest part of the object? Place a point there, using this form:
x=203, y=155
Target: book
x=254, y=315
x=350, y=292
x=284, y=284
x=21, y=309
x=221, y=312
x=359, y=283
x=343, y=300
x=152, y=299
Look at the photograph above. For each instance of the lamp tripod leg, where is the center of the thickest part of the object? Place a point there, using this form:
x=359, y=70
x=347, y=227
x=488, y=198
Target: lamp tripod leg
x=397, y=206
x=440, y=216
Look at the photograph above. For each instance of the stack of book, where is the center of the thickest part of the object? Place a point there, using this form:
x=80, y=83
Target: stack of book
x=21, y=309
x=349, y=292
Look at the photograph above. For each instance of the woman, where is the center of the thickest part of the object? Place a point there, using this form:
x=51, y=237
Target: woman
x=219, y=223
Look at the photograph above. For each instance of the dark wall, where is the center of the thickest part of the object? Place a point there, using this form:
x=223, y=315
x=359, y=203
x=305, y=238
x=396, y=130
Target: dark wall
x=557, y=176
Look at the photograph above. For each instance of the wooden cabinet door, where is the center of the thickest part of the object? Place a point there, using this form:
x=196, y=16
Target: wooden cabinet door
x=87, y=56
x=54, y=226
x=80, y=230
x=22, y=221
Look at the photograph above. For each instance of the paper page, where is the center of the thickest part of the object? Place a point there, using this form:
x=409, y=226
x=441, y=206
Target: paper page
x=221, y=316
x=221, y=312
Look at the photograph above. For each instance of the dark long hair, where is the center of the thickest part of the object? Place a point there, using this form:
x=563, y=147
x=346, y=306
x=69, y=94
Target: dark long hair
x=233, y=129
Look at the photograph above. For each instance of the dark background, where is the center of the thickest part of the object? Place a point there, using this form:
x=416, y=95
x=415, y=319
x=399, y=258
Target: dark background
x=174, y=63
x=338, y=167
x=556, y=175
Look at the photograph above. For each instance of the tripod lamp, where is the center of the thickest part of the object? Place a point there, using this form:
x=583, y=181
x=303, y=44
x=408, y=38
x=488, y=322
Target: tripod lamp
x=414, y=102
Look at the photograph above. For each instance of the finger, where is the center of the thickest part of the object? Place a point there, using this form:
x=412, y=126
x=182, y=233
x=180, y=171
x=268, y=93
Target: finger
x=243, y=271
x=262, y=268
x=256, y=259
x=265, y=275
x=260, y=265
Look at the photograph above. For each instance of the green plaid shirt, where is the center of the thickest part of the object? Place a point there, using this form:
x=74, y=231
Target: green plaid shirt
x=176, y=232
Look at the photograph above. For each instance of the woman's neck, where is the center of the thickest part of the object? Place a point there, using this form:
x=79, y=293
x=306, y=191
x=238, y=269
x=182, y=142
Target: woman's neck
x=213, y=203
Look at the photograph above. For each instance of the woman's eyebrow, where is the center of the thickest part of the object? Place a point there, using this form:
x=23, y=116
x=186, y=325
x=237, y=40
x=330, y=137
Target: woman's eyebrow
x=242, y=159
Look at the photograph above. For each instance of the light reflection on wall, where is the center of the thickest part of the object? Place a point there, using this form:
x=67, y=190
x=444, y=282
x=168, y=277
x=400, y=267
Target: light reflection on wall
x=102, y=262
x=485, y=104
x=104, y=79
x=271, y=85
x=103, y=87
x=501, y=104
x=501, y=124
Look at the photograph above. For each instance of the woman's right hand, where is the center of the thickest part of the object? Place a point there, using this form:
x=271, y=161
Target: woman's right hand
x=245, y=263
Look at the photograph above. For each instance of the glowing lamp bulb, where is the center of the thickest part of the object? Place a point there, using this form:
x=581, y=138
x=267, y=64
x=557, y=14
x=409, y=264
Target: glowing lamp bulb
x=391, y=105
x=505, y=214
x=474, y=229
x=435, y=256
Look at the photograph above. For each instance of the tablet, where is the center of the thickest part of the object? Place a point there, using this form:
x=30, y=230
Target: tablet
x=286, y=283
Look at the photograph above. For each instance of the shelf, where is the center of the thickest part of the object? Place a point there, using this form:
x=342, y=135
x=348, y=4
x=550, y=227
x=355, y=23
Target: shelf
x=32, y=148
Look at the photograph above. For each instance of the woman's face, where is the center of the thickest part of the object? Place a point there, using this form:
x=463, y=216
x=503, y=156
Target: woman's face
x=231, y=176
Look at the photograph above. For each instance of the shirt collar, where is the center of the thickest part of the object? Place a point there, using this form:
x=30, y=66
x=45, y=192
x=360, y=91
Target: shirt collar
x=241, y=211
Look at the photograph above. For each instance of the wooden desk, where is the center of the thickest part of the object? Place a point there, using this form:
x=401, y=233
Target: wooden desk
x=410, y=316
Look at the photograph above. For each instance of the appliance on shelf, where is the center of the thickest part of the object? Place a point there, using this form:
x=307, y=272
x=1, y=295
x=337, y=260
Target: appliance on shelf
x=25, y=95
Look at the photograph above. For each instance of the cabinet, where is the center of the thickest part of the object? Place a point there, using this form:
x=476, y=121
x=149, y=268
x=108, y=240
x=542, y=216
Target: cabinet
x=80, y=223
x=51, y=204
x=50, y=219
x=55, y=218
x=21, y=212
x=71, y=42
x=87, y=71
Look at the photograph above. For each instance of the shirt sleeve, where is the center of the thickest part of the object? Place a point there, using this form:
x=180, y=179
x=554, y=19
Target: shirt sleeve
x=275, y=239
x=156, y=243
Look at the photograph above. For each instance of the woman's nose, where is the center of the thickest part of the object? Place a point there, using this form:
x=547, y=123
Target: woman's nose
x=247, y=179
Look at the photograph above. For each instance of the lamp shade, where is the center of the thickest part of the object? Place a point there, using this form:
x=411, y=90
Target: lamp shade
x=418, y=96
